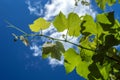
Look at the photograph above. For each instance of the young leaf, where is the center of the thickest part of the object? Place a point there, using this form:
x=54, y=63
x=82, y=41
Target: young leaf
x=73, y=24
x=108, y=21
x=54, y=50
x=60, y=46
x=39, y=24
x=102, y=18
x=94, y=72
x=72, y=59
x=101, y=3
x=82, y=69
x=104, y=70
x=89, y=24
x=119, y=1
x=60, y=22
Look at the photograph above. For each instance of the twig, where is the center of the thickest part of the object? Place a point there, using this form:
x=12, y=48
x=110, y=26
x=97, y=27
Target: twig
x=12, y=26
x=114, y=59
x=59, y=40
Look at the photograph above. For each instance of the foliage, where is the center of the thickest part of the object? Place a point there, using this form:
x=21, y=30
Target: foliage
x=55, y=50
x=39, y=24
x=61, y=23
x=98, y=58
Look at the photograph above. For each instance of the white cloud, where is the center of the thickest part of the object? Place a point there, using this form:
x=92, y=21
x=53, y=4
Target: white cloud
x=54, y=62
x=66, y=6
x=35, y=8
x=51, y=9
x=36, y=49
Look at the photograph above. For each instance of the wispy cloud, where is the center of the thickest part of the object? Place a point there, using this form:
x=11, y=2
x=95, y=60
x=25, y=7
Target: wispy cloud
x=35, y=8
x=51, y=9
x=54, y=62
x=66, y=6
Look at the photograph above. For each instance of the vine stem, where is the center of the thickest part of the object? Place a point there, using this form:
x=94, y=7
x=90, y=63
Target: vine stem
x=12, y=26
x=65, y=40
x=70, y=43
x=59, y=40
x=114, y=58
x=28, y=35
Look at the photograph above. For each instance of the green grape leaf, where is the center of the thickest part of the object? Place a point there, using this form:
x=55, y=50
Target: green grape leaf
x=89, y=24
x=116, y=67
x=54, y=50
x=117, y=24
x=60, y=22
x=102, y=18
x=119, y=1
x=94, y=72
x=101, y=3
x=111, y=2
x=111, y=41
x=82, y=68
x=86, y=55
x=68, y=67
x=72, y=59
x=109, y=23
x=104, y=70
x=72, y=23
x=60, y=46
x=111, y=52
x=46, y=49
x=89, y=42
x=100, y=29
x=39, y=24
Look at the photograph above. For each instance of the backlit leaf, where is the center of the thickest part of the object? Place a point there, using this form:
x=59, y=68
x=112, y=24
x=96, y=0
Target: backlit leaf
x=108, y=23
x=102, y=18
x=73, y=60
x=101, y=3
x=82, y=69
x=60, y=22
x=54, y=50
x=89, y=24
x=39, y=24
x=104, y=70
x=72, y=23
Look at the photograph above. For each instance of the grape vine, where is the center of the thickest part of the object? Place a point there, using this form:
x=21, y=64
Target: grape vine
x=98, y=58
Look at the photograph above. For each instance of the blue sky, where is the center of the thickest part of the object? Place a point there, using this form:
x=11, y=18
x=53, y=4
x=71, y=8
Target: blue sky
x=17, y=62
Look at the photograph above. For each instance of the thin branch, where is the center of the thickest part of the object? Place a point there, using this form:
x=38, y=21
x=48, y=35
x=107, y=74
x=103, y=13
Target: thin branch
x=12, y=26
x=114, y=59
x=59, y=40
